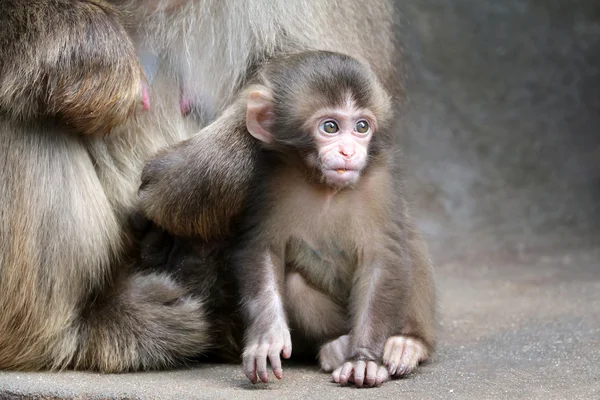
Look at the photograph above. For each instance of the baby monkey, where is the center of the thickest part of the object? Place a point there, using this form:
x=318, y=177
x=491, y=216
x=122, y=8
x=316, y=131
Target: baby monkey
x=327, y=252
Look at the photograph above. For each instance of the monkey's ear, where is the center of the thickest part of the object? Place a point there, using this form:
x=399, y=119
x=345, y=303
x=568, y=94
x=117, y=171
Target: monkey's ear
x=259, y=114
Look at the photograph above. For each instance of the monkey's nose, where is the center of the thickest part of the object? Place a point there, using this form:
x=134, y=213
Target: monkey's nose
x=347, y=152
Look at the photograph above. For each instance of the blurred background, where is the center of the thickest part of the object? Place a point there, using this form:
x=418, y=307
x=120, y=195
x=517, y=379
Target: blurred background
x=501, y=130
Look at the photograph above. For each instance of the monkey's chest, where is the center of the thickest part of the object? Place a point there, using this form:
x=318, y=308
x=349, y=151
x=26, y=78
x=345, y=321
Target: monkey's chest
x=326, y=265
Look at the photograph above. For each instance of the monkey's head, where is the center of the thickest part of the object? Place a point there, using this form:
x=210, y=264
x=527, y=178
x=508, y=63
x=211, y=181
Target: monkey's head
x=324, y=110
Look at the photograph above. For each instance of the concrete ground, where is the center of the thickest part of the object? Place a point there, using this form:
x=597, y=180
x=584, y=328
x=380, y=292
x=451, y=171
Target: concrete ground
x=501, y=141
x=525, y=326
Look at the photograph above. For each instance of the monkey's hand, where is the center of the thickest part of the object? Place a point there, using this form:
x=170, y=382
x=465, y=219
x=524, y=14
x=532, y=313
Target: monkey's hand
x=402, y=354
x=367, y=373
x=271, y=344
x=69, y=60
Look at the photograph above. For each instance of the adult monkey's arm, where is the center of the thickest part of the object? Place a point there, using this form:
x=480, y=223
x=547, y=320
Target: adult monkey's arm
x=198, y=186
x=70, y=60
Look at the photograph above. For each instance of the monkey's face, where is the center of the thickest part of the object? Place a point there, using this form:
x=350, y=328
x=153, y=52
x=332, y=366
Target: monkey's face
x=342, y=140
x=328, y=137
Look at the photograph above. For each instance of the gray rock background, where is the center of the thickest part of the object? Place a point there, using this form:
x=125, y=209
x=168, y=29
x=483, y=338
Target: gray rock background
x=501, y=132
x=501, y=144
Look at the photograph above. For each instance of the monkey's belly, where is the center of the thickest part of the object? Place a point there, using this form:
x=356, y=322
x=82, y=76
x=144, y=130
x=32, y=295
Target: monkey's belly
x=327, y=268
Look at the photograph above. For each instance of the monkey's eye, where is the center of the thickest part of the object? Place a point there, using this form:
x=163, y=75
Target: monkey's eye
x=362, y=127
x=330, y=127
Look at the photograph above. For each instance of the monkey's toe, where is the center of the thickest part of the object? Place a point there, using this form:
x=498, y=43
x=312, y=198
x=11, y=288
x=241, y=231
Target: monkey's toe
x=361, y=374
x=402, y=355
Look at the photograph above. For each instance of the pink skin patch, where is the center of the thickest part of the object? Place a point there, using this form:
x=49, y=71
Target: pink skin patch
x=185, y=104
x=145, y=96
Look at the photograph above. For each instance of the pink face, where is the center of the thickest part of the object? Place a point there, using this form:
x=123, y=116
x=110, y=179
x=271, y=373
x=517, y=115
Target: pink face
x=342, y=137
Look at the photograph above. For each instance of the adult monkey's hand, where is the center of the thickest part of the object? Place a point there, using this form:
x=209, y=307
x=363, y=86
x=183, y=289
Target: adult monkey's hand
x=76, y=63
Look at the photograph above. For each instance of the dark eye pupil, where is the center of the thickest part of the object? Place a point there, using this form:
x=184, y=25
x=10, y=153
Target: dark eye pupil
x=330, y=127
x=362, y=127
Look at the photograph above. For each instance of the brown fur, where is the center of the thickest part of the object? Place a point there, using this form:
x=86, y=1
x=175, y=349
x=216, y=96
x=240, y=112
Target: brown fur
x=179, y=177
x=329, y=264
x=75, y=63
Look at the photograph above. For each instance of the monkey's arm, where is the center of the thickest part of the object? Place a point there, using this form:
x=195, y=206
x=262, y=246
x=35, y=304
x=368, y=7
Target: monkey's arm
x=67, y=59
x=260, y=274
x=392, y=309
x=199, y=185
x=374, y=303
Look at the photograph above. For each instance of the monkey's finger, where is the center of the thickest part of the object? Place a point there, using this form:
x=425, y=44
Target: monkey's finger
x=275, y=361
x=345, y=373
x=261, y=362
x=250, y=366
x=287, y=345
x=411, y=357
x=405, y=361
x=382, y=375
x=359, y=373
x=371, y=377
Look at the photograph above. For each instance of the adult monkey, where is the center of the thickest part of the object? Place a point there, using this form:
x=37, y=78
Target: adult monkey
x=69, y=74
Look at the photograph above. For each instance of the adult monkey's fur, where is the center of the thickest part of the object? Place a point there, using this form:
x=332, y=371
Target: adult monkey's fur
x=74, y=140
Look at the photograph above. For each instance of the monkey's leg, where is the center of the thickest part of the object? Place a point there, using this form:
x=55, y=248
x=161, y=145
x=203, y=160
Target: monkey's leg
x=403, y=353
x=63, y=305
x=148, y=321
x=381, y=273
x=422, y=310
x=399, y=264
x=317, y=316
x=312, y=311
x=333, y=354
x=416, y=341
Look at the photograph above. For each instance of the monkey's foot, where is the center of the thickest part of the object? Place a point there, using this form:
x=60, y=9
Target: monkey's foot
x=333, y=354
x=361, y=373
x=275, y=342
x=402, y=354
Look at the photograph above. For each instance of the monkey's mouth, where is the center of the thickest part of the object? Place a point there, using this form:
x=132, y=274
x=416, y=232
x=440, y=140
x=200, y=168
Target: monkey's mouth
x=342, y=171
x=341, y=176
